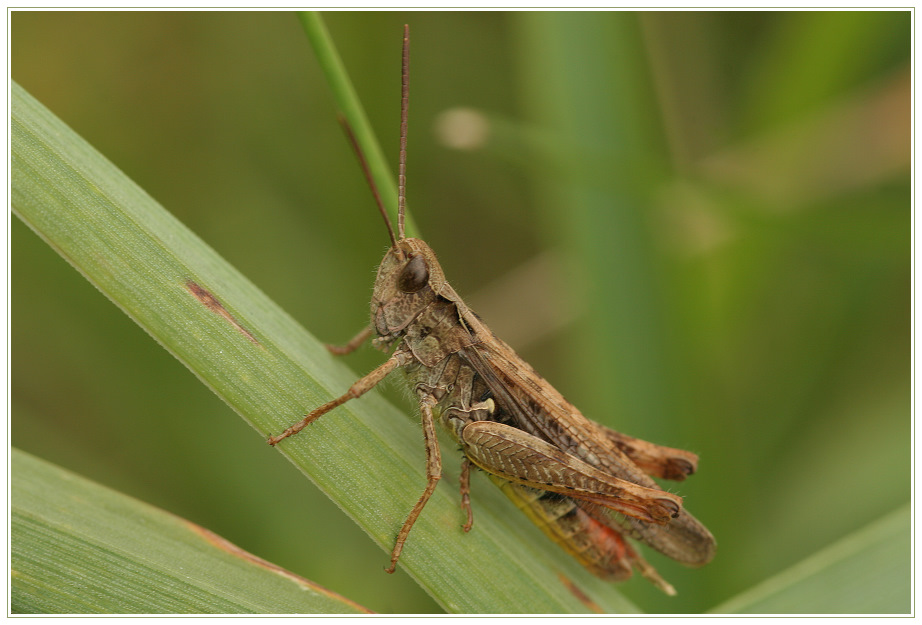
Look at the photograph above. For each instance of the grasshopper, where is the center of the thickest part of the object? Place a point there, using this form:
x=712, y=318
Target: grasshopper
x=584, y=485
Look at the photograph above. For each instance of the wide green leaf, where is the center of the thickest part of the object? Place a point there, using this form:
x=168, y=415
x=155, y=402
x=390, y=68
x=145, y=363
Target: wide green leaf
x=79, y=547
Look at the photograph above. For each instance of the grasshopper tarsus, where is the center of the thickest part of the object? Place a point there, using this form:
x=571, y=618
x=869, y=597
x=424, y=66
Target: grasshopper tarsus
x=649, y=573
x=291, y=430
x=465, y=480
x=671, y=508
x=353, y=344
x=665, y=462
x=677, y=469
x=310, y=418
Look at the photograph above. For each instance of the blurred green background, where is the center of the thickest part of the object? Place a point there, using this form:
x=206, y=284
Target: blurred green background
x=695, y=225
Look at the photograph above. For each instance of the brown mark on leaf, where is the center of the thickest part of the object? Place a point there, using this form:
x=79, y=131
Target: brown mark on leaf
x=225, y=545
x=215, y=306
x=579, y=594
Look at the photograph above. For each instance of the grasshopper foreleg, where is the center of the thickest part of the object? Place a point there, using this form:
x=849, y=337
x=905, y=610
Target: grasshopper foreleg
x=519, y=457
x=359, y=388
x=352, y=345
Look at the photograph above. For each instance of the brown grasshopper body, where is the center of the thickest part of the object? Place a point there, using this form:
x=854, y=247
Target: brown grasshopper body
x=584, y=485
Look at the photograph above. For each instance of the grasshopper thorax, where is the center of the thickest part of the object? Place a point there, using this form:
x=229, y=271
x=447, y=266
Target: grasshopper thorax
x=409, y=280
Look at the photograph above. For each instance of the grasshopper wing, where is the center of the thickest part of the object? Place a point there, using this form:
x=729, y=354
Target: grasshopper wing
x=537, y=408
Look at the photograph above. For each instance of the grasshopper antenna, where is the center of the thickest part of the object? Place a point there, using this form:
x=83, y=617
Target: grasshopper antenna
x=402, y=160
x=404, y=108
x=371, y=181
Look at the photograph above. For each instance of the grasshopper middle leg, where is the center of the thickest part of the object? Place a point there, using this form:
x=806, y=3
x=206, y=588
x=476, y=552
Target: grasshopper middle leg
x=433, y=475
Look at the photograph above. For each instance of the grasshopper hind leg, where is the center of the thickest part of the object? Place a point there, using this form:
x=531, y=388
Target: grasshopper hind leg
x=597, y=546
x=465, y=480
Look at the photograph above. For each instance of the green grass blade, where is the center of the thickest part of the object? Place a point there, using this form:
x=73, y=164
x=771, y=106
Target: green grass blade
x=865, y=573
x=79, y=547
x=351, y=107
x=586, y=80
x=367, y=456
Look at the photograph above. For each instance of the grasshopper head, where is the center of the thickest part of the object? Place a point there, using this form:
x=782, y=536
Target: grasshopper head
x=409, y=279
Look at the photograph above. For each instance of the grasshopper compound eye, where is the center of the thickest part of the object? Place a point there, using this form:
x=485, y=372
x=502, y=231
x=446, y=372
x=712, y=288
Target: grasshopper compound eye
x=414, y=276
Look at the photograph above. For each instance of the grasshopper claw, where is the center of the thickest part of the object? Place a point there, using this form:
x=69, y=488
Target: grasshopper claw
x=672, y=508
